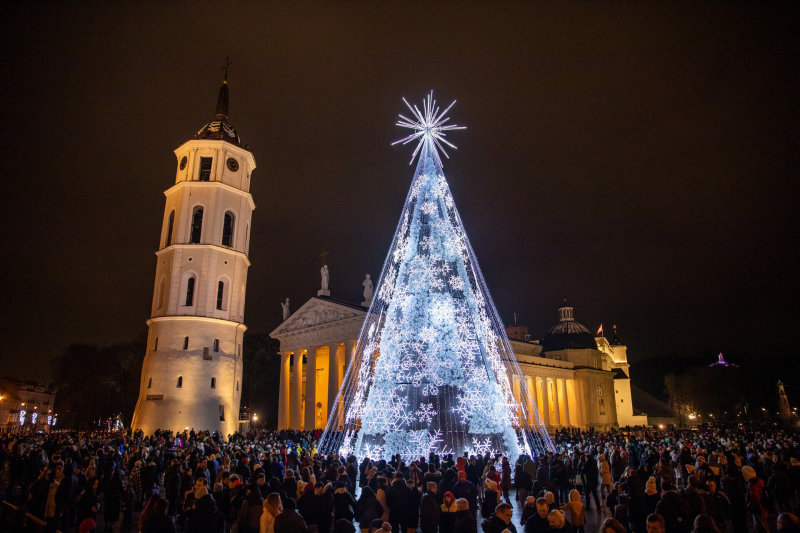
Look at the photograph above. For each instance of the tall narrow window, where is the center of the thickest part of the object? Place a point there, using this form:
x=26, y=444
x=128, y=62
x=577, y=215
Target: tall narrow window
x=170, y=227
x=186, y=343
x=220, y=295
x=155, y=345
x=227, y=229
x=213, y=383
x=162, y=289
x=180, y=382
x=237, y=385
x=216, y=345
x=190, y=292
x=205, y=168
x=149, y=382
x=197, y=225
x=222, y=413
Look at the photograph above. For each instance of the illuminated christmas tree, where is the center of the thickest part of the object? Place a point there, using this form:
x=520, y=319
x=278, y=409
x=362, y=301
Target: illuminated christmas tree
x=433, y=370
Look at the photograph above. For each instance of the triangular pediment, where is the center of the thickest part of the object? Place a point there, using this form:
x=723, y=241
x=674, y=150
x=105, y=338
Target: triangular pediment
x=317, y=312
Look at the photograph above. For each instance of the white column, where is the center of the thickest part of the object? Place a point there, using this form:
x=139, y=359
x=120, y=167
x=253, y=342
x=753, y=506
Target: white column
x=566, y=405
x=284, y=396
x=334, y=378
x=349, y=348
x=531, y=399
x=297, y=390
x=545, y=402
x=556, y=412
x=311, y=389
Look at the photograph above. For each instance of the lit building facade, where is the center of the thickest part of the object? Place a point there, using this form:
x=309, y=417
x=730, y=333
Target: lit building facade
x=26, y=407
x=192, y=371
x=576, y=380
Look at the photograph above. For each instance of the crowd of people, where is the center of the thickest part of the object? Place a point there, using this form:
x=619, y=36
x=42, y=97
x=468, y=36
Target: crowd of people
x=640, y=481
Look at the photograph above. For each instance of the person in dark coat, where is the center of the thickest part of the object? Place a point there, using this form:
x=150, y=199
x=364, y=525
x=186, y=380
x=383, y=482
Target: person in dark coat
x=250, y=513
x=465, y=518
x=289, y=521
x=490, y=499
x=172, y=487
x=368, y=508
x=112, y=499
x=154, y=518
x=466, y=490
x=590, y=479
x=429, y=509
x=674, y=510
x=204, y=517
x=500, y=520
x=344, y=504
x=89, y=501
x=537, y=523
x=402, y=506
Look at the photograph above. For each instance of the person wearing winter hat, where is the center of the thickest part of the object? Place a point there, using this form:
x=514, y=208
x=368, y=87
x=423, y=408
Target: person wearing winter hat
x=447, y=519
x=755, y=494
x=87, y=526
x=490, y=499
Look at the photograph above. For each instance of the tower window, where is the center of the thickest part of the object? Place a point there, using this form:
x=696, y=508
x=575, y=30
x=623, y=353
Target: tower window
x=216, y=345
x=155, y=345
x=197, y=225
x=205, y=168
x=162, y=289
x=220, y=295
x=213, y=383
x=180, y=382
x=237, y=385
x=227, y=229
x=222, y=413
x=190, y=292
x=170, y=227
x=149, y=382
x=186, y=343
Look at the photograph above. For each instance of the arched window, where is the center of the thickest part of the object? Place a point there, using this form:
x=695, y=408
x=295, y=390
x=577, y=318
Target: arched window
x=186, y=343
x=197, y=225
x=190, y=292
x=180, y=382
x=227, y=228
x=213, y=383
x=220, y=295
x=170, y=227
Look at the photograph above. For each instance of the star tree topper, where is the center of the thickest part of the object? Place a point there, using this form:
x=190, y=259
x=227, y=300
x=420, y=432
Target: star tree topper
x=429, y=125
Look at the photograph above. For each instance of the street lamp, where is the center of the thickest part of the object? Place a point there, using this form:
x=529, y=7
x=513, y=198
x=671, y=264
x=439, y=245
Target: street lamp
x=255, y=417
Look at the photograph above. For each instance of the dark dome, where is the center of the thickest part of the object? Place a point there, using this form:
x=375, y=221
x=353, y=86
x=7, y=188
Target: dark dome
x=568, y=334
x=220, y=128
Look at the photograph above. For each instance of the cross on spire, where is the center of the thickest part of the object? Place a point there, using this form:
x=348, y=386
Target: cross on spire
x=325, y=253
x=228, y=63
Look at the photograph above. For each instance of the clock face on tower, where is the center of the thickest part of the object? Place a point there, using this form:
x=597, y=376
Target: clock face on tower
x=233, y=165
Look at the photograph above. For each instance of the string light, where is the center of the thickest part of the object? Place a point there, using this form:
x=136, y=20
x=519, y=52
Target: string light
x=433, y=370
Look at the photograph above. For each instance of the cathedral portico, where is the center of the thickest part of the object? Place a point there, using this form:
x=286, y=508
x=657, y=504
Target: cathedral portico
x=323, y=332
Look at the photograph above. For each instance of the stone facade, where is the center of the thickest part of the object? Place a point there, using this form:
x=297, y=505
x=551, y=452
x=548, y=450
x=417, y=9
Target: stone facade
x=192, y=371
x=581, y=388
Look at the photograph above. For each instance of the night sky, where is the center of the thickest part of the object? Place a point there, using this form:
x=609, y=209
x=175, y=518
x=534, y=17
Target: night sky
x=639, y=159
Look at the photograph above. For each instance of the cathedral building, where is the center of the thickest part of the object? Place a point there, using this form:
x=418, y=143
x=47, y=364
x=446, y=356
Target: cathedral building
x=192, y=370
x=576, y=379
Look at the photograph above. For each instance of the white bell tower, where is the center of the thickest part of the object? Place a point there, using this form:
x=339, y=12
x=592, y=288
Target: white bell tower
x=192, y=371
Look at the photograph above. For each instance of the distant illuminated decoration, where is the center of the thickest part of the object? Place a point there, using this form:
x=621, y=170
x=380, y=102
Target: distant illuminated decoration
x=22, y=414
x=433, y=370
x=34, y=416
x=722, y=362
